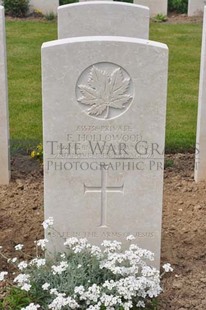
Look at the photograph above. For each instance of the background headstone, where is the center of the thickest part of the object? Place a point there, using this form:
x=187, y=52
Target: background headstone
x=196, y=7
x=103, y=18
x=200, y=158
x=104, y=106
x=45, y=6
x=4, y=130
x=155, y=6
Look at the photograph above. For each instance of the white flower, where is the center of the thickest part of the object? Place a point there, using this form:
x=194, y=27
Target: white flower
x=1, y=247
x=109, y=300
x=63, y=255
x=79, y=290
x=71, y=241
x=22, y=265
x=26, y=287
x=62, y=301
x=111, y=246
x=135, y=280
x=42, y=243
x=2, y=275
x=14, y=260
x=96, y=251
x=130, y=238
x=95, y=307
x=77, y=245
x=45, y=286
x=48, y=223
x=53, y=291
x=92, y=294
x=19, y=247
x=38, y=262
x=31, y=306
x=148, y=271
x=141, y=304
x=167, y=267
x=109, y=284
x=22, y=278
x=60, y=268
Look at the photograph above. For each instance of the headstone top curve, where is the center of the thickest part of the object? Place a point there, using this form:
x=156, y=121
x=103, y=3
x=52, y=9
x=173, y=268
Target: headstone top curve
x=108, y=3
x=104, y=39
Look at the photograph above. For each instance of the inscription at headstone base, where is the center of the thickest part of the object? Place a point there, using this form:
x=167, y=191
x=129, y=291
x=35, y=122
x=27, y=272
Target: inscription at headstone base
x=104, y=102
x=4, y=130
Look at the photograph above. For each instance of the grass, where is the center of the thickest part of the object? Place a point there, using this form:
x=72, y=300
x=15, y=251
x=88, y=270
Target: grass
x=184, y=42
x=24, y=39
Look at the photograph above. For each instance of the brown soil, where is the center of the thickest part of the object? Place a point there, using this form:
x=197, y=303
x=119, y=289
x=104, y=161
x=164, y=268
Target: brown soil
x=174, y=18
x=183, y=234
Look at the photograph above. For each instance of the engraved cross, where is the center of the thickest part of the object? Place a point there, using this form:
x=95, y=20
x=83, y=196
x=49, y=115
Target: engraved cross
x=104, y=189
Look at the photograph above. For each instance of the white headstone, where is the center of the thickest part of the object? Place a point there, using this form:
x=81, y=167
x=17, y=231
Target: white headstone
x=4, y=130
x=104, y=106
x=45, y=6
x=155, y=6
x=196, y=7
x=103, y=18
x=200, y=158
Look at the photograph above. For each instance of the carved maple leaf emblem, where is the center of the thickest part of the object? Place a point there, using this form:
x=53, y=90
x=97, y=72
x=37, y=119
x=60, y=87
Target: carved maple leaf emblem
x=105, y=91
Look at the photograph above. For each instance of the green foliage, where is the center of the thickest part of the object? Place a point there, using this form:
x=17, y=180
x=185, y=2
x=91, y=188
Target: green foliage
x=16, y=8
x=129, y=1
x=50, y=16
x=15, y=299
x=83, y=275
x=37, y=13
x=159, y=18
x=62, y=2
x=180, y=6
x=37, y=153
x=168, y=163
x=87, y=274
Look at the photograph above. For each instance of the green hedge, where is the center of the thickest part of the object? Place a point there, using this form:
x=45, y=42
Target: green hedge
x=179, y=6
x=16, y=8
x=62, y=2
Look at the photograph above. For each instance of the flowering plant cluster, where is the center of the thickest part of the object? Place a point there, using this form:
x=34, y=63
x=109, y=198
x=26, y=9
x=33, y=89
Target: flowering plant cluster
x=37, y=153
x=88, y=277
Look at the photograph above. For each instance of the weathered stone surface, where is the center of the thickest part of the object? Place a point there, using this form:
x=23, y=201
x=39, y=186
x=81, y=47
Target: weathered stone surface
x=200, y=158
x=45, y=6
x=104, y=106
x=103, y=18
x=196, y=7
x=155, y=6
x=4, y=130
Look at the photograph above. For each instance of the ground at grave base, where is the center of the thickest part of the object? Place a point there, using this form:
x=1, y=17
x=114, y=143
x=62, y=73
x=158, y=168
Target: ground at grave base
x=183, y=235
x=172, y=18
